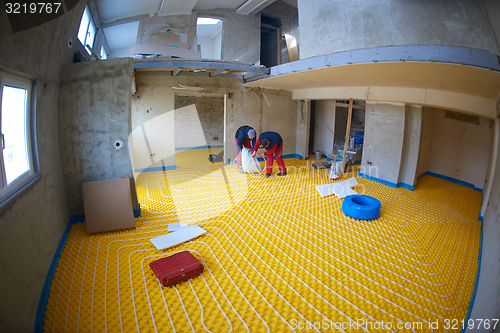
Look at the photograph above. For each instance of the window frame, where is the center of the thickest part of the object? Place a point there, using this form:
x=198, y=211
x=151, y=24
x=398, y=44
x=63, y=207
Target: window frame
x=8, y=192
x=103, y=50
x=91, y=22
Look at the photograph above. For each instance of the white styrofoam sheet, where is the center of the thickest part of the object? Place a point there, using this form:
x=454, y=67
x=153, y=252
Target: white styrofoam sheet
x=177, y=237
x=340, y=189
x=176, y=226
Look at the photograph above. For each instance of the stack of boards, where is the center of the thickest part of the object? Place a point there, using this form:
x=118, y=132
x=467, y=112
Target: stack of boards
x=168, y=44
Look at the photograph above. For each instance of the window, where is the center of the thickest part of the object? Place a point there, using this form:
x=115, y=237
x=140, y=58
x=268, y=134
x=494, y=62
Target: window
x=17, y=167
x=104, y=54
x=86, y=32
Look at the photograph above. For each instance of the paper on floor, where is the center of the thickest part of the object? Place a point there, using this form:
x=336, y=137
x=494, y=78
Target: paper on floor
x=177, y=237
x=340, y=189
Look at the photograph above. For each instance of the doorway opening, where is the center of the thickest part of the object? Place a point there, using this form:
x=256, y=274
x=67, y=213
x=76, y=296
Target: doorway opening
x=269, y=41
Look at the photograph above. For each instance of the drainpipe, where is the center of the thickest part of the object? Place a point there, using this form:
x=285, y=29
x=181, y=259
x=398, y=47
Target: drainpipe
x=492, y=168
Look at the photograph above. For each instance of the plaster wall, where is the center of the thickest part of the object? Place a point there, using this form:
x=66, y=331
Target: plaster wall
x=31, y=224
x=325, y=125
x=425, y=141
x=411, y=145
x=94, y=112
x=153, y=131
x=383, y=142
x=360, y=24
x=245, y=107
x=208, y=48
x=120, y=53
x=487, y=301
x=459, y=149
x=217, y=46
x=198, y=121
x=280, y=116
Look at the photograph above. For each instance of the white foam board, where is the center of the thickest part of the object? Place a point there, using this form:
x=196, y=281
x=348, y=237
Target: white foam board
x=340, y=189
x=176, y=226
x=177, y=237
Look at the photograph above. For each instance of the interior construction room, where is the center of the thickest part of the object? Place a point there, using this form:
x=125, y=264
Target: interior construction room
x=123, y=207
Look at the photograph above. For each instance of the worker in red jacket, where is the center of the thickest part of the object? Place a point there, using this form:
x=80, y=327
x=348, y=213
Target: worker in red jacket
x=244, y=135
x=273, y=144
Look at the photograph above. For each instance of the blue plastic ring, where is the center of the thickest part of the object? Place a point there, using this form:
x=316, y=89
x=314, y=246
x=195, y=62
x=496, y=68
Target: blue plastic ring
x=361, y=207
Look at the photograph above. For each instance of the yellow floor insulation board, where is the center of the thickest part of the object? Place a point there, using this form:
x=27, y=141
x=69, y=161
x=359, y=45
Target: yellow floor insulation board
x=277, y=257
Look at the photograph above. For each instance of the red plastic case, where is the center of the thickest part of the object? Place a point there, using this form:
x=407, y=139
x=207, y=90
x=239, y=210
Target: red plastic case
x=177, y=268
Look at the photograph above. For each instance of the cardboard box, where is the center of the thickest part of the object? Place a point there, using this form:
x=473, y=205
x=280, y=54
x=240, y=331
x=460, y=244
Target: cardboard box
x=321, y=165
x=108, y=205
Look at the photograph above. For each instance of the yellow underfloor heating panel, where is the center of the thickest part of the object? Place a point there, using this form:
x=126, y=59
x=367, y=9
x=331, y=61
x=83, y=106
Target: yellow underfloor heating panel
x=277, y=257
x=190, y=158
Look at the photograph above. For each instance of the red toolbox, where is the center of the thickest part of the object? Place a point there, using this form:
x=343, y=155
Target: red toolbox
x=177, y=268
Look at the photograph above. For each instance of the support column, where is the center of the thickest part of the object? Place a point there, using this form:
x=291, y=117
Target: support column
x=411, y=147
x=383, y=142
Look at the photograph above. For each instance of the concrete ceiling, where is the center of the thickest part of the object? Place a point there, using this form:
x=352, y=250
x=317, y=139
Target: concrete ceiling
x=112, y=10
x=451, y=86
x=122, y=36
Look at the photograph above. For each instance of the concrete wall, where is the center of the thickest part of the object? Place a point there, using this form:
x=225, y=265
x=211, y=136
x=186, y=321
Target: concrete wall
x=383, y=143
x=94, y=112
x=32, y=223
x=341, y=114
x=245, y=107
x=325, y=126
x=303, y=127
x=198, y=120
x=362, y=24
x=288, y=16
x=411, y=145
x=493, y=9
x=240, y=33
x=458, y=149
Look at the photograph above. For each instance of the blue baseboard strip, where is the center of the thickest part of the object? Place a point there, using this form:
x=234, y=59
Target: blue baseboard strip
x=199, y=147
x=385, y=182
x=156, y=169
x=44, y=297
x=137, y=212
x=453, y=180
x=297, y=156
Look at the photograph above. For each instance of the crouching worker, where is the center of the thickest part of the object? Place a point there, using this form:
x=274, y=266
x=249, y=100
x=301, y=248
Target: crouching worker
x=244, y=135
x=273, y=143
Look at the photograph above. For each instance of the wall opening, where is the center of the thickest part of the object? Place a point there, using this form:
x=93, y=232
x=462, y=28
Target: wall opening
x=329, y=127
x=209, y=36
